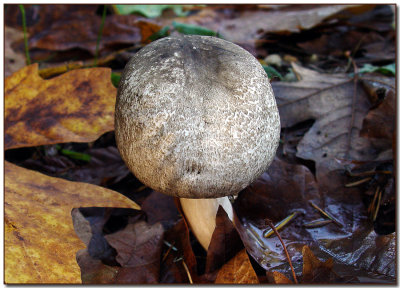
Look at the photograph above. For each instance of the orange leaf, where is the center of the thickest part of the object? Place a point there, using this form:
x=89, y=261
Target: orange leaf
x=314, y=270
x=238, y=270
x=40, y=241
x=278, y=278
x=77, y=106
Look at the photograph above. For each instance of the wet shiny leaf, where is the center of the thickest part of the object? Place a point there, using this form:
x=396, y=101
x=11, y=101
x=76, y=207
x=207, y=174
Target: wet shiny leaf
x=77, y=106
x=40, y=242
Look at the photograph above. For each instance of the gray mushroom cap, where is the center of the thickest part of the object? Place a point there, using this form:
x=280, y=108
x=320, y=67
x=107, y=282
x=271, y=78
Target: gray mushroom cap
x=196, y=117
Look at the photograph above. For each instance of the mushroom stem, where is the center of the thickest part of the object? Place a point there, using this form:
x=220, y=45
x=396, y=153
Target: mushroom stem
x=201, y=215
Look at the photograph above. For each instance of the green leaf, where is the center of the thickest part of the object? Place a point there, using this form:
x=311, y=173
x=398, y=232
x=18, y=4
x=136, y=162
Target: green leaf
x=272, y=72
x=149, y=11
x=193, y=29
x=164, y=32
x=115, y=78
x=389, y=69
x=76, y=155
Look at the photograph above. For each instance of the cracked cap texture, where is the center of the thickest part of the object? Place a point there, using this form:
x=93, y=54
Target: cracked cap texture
x=196, y=117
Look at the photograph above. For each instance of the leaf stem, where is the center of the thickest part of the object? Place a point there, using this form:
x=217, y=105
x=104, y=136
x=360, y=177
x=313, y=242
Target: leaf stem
x=28, y=58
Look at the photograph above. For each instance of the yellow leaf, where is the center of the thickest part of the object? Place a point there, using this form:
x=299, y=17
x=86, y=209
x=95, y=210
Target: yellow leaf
x=238, y=270
x=40, y=241
x=77, y=106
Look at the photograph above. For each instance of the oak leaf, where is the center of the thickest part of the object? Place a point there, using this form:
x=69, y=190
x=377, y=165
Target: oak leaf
x=40, y=241
x=77, y=106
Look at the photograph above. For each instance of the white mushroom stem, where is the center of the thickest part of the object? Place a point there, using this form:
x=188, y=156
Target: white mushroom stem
x=201, y=216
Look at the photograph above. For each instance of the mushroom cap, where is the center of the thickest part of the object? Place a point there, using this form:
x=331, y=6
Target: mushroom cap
x=196, y=117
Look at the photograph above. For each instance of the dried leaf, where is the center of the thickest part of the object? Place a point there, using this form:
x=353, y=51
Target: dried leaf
x=161, y=208
x=77, y=106
x=278, y=278
x=250, y=25
x=225, y=242
x=237, y=271
x=40, y=242
x=139, y=248
x=314, y=270
x=381, y=121
x=330, y=100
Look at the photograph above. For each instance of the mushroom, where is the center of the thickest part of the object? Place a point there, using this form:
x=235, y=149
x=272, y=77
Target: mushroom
x=196, y=117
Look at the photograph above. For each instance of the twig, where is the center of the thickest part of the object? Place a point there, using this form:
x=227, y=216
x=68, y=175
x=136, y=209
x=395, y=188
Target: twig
x=28, y=58
x=270, y=224
x=378, y=204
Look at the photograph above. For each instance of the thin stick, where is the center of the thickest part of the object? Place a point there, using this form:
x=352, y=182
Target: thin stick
x=270, y=224
x=354, y=184
x=378, y=204
x=326, y=214
x=281, y=224
x=187, y=271
x=28, y=58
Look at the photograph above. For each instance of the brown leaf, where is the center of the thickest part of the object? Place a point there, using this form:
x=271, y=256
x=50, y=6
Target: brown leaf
x=381, y=121
x=237, y=271
x=40, y=242
x=278, y=278
x=139, y=248
x=161, y=208
x=225, y=242
x=77, y=106
x=81, y=31
x=280, y=191
x=14, y=60
x=314, y=270
x=250, y=25
x=330, y=100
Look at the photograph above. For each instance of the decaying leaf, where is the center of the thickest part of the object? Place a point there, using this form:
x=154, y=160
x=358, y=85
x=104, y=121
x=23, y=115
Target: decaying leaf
x=139, y=249
x=237, y=271
x=338, y=107
x=40, y=242
x=249, y=25
x=77, y=106
x=225, y=242
x=314, y=270
x=381, y=121
x=276, y=277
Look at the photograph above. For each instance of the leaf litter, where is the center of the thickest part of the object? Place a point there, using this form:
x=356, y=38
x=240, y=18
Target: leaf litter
x=338, y=130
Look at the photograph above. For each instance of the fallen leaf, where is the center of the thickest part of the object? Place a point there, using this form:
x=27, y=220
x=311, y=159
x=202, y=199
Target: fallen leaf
x=81, y=31
x=237, y=271
x=356, y=249
x=161, y=208
x=172, y=270
x=314, y=270
x=250, y=25
x=338, y=114
x=77, y=106
x=225, y=242
x=276, y=277
x=40, y=242
x=14, y=60
x=139, y=252
x=381, y=121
